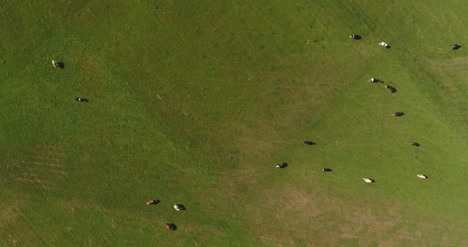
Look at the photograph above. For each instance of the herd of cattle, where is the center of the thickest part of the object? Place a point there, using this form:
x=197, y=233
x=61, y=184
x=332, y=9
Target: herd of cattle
x=179, y=207
x=396, y=114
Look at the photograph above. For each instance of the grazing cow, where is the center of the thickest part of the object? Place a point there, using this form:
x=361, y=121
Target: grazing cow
x=384, y=44
x=392, y=89
x=368, y=180
x=375, y=80
x=456, y=47
x=179, y=207
x=355, y=36
x=398, y=114
x=309, y=143
x=415, y=144
x=152, y=202
x=326, y=170
x=282, y=165
x=171, y=226
x=81, y=99
x=421, y=176
x=55, y=64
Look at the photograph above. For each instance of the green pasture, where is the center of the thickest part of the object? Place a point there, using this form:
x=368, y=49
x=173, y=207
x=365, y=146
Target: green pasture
x=195, y=102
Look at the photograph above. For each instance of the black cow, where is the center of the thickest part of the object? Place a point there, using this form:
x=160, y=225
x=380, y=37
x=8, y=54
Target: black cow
x=81, y=99
x=309, y=143
x=415, y=144
x=398, y=114
x=392, y=89
x=456, y=47
x=171, y=226
x=326, y=170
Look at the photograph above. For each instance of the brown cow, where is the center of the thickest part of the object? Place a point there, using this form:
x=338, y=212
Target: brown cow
x=152, y=202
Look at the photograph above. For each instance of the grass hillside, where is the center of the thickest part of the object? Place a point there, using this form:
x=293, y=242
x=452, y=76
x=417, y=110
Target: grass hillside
x=195, y=102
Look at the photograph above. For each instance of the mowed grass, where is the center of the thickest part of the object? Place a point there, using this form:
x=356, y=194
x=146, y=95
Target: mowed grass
x=196, y=102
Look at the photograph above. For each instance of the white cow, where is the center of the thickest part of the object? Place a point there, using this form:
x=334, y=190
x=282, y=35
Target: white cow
x=368, y=180
x=383, y=44
x=421, y=176
x=55, y=63
x=177, y=207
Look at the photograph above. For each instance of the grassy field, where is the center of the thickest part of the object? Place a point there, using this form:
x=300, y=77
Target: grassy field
x=195, y=102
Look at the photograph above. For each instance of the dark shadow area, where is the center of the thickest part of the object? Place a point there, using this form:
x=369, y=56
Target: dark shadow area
x=171, y=226
x=387, y=46
x=398, y=114
x=282, y=165
x=355, y=36
x=60, y=65
x=456, y=47
x=326, y=170
x=309, y=143
x=392, y=89
x=415, y=144
x=81, y=99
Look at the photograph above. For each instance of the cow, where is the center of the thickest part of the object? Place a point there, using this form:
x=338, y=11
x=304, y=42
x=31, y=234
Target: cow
x=355, y=36
x=81, y=99
x=415, y=144
x=152, y=202
x=398, y=114
x=171, y=226
x=422, y=176
x=179, y=207
x=392, y=89
x=58, y=65
x=282, y=165
x=384, y=44
x=368, y=180
x=309, y=143
x=326, y=170
x=375, y=80
x=456, y=47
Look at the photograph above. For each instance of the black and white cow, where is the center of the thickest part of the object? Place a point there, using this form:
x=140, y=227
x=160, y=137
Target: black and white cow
x=282, y=165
